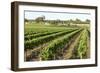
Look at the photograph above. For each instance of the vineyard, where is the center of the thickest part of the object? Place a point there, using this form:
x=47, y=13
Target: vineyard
x=43, y=43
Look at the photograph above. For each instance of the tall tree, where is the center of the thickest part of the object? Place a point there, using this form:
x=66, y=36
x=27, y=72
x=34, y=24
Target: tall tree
x=40, y=19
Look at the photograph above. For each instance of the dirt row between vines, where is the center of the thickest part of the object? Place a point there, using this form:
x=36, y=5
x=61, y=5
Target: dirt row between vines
x=70, y=49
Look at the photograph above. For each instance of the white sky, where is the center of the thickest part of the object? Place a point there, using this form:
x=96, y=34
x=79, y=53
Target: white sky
x=57, y=15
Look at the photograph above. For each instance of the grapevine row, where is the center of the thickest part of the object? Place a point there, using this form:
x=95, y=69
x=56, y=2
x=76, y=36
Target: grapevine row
x=30, y=44
x=39, y=35
x=50, y=51
x=82, y=47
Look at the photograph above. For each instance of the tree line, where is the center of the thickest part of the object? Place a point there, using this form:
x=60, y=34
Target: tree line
x=57, y=21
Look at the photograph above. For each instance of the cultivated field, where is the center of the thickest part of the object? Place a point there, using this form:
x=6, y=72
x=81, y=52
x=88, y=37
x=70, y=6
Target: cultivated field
x=51, y=42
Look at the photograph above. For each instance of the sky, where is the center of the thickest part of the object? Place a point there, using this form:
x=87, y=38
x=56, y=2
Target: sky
x=56, y=15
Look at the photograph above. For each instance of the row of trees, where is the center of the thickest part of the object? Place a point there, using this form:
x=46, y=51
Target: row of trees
x=42, y=19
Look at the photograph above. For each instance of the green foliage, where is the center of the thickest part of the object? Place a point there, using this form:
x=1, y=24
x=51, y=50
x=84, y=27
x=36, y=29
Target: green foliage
x=49, y=52
x=82, y=47
x=30, y=44
x=54, y=37
x=29, y=37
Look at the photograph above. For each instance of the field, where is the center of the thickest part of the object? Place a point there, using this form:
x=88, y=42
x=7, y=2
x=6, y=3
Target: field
x=51, y=42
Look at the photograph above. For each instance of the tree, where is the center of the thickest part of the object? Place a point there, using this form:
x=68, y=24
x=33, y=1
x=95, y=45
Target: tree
x=78, y=21
x=40, y=19
x=26, y=20
x=87, y=21
x=69, y=22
